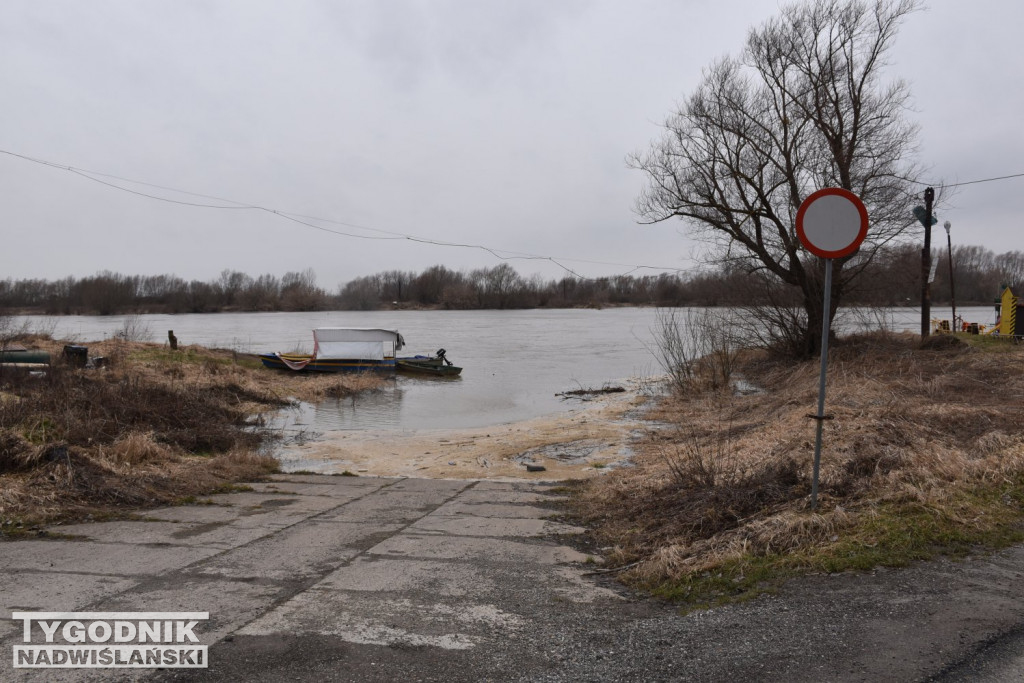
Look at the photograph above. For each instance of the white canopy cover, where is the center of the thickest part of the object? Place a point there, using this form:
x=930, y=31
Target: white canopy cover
x=354, y=342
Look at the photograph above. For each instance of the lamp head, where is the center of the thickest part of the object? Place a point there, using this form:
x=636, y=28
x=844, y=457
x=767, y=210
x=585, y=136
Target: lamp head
x=947, y=225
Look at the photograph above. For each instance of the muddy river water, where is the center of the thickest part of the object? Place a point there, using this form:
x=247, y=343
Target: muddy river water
x=515, y=362
x=503, y=410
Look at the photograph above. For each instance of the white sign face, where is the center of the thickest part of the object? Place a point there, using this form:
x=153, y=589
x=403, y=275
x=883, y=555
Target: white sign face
x=832, y=223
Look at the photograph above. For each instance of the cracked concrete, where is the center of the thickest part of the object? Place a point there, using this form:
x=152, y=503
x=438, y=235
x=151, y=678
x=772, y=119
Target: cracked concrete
x=387, y=562
x=374, y=579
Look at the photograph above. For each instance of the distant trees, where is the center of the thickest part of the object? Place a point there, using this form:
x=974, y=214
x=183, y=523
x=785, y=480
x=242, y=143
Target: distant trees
x=498, y=287
x=109, y=293
x=300, y=293
x=232, y=285
x=436, y=285
x=890, y=279
x=1010, y=266
x=979, y=274
x=361, y=294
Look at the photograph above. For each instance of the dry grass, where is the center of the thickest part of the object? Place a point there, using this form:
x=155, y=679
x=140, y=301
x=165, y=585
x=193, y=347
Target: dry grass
x=153, y=427
x=925, y=454
x=329, y=385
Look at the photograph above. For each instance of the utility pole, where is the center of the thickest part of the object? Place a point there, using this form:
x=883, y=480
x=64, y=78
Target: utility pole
x=926, y=266
x=952, y=290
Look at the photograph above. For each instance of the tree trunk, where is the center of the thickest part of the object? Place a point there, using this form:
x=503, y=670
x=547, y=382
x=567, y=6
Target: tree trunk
x=813, y=301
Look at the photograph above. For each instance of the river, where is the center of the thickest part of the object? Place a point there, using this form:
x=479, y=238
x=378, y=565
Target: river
x=515, y=362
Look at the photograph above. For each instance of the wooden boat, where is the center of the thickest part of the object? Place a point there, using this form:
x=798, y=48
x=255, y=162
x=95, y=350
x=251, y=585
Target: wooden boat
x=437, y=365
x=304, y=362
x=342, y=349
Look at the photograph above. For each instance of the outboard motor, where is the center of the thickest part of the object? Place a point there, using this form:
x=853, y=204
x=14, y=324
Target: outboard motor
x=440, y=356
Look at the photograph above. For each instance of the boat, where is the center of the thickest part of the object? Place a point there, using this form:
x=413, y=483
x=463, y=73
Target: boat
x=342, y=349
x=437, y=365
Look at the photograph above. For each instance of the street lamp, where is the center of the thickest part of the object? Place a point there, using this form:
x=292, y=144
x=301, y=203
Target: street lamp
x=949, y=250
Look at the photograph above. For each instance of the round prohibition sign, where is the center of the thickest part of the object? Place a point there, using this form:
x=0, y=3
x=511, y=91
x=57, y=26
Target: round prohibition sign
x=832, y=223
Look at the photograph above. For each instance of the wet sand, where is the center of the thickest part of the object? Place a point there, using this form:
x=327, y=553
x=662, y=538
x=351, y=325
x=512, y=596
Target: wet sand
x=589, y=439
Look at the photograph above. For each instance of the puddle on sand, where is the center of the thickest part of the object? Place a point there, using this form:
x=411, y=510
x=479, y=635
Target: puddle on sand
x=582, y=452
x=583, y=442
x=570, y=453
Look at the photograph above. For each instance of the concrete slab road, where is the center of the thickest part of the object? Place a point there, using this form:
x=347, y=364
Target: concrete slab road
x=365, y=579
x=396, y=565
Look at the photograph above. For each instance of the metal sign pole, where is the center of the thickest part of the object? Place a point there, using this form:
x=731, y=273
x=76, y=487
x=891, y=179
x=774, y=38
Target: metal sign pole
x=820, y=417
x=831, y=223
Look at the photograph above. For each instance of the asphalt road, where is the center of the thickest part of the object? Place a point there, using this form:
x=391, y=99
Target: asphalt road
x=366, y=579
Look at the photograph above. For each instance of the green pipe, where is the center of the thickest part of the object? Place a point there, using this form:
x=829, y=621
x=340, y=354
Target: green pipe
x=24, y=357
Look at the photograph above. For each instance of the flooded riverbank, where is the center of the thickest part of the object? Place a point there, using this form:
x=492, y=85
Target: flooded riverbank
x=515, y=362
x=587, y=438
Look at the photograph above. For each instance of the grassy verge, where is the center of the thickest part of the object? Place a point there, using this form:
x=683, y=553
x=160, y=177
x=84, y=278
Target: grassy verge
x=924, y=457
x=152, y=428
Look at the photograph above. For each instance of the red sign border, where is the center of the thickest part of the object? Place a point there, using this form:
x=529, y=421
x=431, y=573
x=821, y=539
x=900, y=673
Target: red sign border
x=853, y=199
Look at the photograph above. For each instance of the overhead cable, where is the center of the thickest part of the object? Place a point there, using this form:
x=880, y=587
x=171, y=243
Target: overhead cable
x=302, y=219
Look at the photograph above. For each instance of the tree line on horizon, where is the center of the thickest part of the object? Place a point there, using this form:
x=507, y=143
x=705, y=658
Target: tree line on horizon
x=891, y=279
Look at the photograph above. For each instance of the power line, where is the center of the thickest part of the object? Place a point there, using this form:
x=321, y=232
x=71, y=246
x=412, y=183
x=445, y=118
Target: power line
x=302, y=219
x=940, y=186
x=986, y=180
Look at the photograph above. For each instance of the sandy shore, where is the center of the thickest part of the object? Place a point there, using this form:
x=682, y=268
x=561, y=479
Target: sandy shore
x=587, y=440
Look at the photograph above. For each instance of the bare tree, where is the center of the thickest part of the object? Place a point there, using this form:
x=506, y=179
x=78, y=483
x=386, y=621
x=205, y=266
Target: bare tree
x=395, y=285
x=300, y=293
x=361, y=294
x=232, y=283
x=802, y=108
x=496, y=287
x=1011, y=268
x=430, y=285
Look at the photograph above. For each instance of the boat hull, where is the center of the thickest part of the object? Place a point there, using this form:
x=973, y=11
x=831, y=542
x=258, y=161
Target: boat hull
x=428, y=368
x=275, y=362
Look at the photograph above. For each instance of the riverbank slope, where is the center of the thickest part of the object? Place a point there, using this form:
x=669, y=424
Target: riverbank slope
x=148, y=426
x=923, y=455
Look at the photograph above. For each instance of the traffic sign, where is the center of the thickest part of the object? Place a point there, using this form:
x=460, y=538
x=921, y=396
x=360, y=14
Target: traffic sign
x=832, y=223
x=921, y=214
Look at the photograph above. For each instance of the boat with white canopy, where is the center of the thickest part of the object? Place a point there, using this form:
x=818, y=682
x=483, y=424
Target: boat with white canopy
x=342, y=349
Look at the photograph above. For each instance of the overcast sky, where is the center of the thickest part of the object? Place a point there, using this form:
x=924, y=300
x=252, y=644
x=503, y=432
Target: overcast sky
x=504, y=124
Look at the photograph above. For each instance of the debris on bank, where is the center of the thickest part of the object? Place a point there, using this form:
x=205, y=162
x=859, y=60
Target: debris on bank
x=583, y=393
